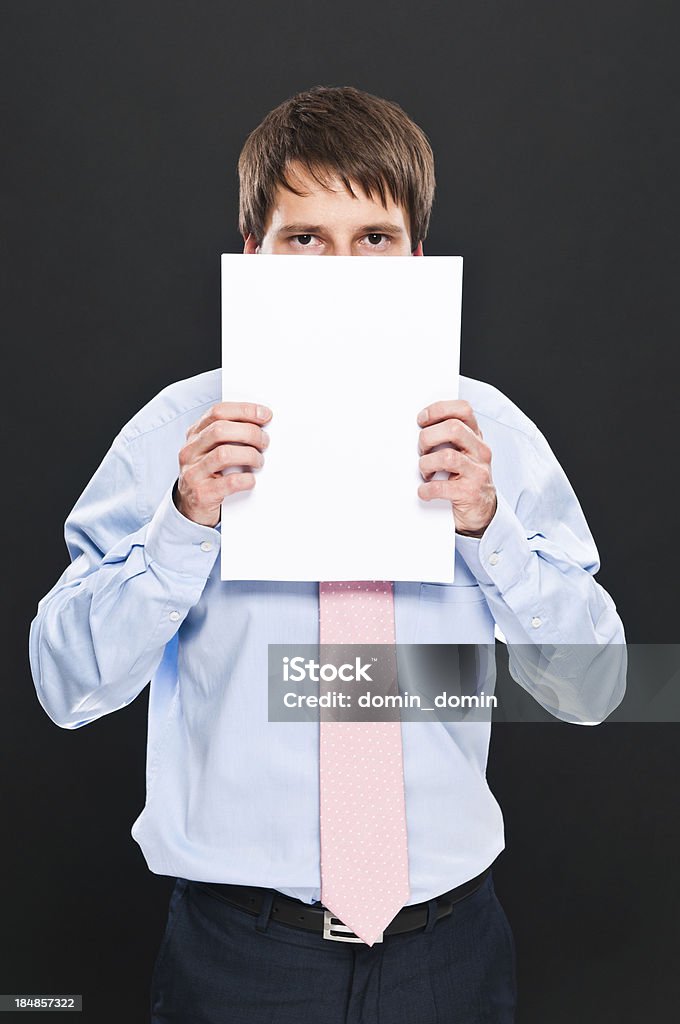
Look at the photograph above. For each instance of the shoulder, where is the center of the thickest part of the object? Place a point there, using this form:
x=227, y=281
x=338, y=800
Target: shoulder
x=184, y=400
x=174, y=408
x=494, y=409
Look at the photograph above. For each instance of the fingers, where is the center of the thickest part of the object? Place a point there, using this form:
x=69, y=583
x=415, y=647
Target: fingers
x=465, y=490
x=454, y=432
x=447, y=460
x=227, y=455
x=450, y=444
x=200, y=497
x=218, y=432
x=246, y=412
x=451, y=409
x=209, y=492
x=229, y=434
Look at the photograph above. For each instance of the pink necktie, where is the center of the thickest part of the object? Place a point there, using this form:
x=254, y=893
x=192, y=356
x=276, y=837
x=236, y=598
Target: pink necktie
x=364, y=855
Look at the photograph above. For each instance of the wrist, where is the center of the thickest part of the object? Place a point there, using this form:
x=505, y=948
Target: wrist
x=482, y=529
x=177, y=502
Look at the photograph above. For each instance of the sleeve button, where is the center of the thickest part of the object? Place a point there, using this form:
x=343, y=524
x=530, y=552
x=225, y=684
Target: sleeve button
x=536, y=622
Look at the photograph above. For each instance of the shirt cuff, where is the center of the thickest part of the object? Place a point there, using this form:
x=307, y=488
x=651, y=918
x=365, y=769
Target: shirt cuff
x=497, y=558
x=179, y=544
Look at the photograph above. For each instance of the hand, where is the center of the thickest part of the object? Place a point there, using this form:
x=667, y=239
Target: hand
x=229, y=434
x=465, y=457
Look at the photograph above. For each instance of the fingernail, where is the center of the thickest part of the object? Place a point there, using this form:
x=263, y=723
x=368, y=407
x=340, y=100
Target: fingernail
x=422, y=416
x=263, y=413
x=265, y=439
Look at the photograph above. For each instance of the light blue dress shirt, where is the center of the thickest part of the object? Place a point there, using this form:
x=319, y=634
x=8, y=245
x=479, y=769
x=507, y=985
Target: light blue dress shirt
x=230, y=796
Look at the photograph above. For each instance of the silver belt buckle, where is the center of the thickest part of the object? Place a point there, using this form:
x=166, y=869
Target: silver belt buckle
x=333, y=928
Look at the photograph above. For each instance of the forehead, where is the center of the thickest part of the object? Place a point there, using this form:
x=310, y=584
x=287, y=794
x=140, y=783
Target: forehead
x=328, y=202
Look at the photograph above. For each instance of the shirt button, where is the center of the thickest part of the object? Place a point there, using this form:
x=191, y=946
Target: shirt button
x=493, y=558
x=174, y=616
x=536, y=622
x=206, y=545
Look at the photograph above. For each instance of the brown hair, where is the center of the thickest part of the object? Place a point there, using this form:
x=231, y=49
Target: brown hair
x=343, y=132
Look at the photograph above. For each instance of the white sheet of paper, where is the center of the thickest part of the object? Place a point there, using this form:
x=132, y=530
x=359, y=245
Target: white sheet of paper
x=345, y=351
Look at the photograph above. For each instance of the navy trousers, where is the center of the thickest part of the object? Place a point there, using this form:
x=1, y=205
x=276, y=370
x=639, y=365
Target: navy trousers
x=218, y=964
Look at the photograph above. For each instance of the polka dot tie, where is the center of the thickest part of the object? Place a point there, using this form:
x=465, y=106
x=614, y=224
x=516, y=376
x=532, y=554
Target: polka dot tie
x=364, y=857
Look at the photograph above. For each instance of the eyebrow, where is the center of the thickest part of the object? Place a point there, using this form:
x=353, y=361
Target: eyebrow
x=317, y=229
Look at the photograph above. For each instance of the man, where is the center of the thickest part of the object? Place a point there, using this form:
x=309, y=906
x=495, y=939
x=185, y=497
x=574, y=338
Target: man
x=232, y=807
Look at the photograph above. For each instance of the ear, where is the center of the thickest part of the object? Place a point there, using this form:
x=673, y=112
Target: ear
x=418, y=251
x=250, y=245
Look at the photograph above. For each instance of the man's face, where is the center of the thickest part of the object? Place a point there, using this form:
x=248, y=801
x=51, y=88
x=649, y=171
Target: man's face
x=331, y=222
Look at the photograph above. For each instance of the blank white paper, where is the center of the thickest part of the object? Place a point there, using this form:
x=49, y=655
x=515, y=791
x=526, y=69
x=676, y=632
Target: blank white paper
x=345, y=351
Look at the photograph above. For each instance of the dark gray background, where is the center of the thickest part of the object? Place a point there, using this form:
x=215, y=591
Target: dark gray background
x=555, y=132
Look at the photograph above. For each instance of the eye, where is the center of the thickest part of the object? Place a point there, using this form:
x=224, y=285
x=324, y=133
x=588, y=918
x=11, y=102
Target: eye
x=303, y=239
x=376, y=239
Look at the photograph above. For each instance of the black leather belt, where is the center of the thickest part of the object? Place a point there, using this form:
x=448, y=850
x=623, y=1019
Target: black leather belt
x=316, y=918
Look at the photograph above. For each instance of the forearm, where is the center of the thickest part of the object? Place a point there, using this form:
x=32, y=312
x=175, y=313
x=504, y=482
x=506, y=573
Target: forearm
x=566, y=642
x=99, y=634
x=537, y=593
